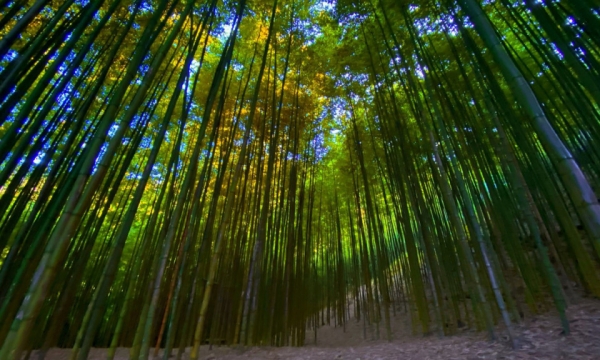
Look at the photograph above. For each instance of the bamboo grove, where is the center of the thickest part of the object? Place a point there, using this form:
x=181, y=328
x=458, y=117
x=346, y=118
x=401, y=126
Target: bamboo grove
x=181, y=172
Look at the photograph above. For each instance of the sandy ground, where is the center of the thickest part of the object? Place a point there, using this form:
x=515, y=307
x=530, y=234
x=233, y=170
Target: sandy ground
x=539, y=338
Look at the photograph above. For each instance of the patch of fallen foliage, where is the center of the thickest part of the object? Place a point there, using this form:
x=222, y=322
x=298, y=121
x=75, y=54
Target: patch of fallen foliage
x=538, y=338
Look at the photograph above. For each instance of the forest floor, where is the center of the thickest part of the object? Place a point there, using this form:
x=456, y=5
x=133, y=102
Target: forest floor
x=539, y=337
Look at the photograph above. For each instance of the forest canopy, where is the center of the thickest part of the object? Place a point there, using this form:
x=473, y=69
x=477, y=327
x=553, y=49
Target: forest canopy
x=182, y=172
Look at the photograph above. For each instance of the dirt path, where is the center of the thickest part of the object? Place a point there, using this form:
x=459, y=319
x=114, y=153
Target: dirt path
x=539, y=338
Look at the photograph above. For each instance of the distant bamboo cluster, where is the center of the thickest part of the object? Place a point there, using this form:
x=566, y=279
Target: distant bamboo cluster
x=180, y=173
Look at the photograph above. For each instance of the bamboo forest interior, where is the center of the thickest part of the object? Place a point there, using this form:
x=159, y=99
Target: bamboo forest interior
x=177, y=173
